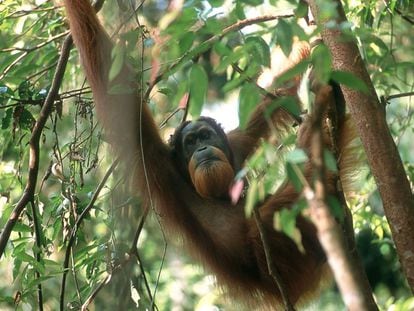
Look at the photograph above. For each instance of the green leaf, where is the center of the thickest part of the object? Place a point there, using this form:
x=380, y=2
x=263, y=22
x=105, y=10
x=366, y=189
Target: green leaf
x=57, y=227
x=293, y=72
x=167, y=91
x=179, y=92
x=251, y=198
x=302, y=9
x=335, y=207
x=322, y=63
x=290, y=140
x=285, y=221
x=213, y=26
x=86, y=250
x=118, y=58
x=292, y=171
x=330, y=160
x=221, y=49
x=284, y=36
x=25, y=257
x=249, y=97
x=6, y=211
x=216, y=3
x=253, y=2
x=288, y=103
x=20, y=227
x=297, y=156
x=239, y=11
x=186, y=42
x=233, y=57
x=131, y=39
x=349, y=80
x=25, y=90
x=250, y=72
x=260, y=50
x=6, y=121
x=26, y=119
x=198, y=89
x=17, y=263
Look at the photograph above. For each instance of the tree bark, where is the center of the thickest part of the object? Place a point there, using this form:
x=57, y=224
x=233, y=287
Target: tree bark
x=349, y=274
x=381, y=151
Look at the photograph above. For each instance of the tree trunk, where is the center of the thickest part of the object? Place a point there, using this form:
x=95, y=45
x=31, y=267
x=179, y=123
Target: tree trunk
x=381, y=151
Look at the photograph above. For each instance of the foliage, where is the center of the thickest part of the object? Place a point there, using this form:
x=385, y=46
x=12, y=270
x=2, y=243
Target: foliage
x=197, y=49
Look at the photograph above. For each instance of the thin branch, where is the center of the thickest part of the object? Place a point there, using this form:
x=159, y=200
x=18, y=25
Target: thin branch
x=95, y=292
x=41, y=72
x=75, y=278
x=75, y=93
x=37, y=251
x=172, y=114
x=132, y=253
x=29, y=190
x=27, y=51
x=386, y=99
x=272, y=96
x=21, y=13
x=273, y=271
x=143, y=101
x=407, y=18
x=206, y=45
x=75, y=228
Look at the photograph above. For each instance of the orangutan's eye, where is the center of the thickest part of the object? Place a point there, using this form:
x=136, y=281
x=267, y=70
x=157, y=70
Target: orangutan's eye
x=204, y=134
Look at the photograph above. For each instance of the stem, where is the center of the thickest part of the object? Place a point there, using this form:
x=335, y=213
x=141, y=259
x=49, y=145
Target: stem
x=273, y=271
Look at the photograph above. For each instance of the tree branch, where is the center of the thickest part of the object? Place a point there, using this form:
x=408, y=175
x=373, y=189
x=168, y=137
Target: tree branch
x=209, y=42
x=72, y=237
x=29, y=190
x=381, y=151
x=37, y=252
x=132, y=253
x=347, y=275
x=273, y=271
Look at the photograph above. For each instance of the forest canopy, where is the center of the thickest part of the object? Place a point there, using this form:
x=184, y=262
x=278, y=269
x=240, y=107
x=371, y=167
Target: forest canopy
x=66, y=211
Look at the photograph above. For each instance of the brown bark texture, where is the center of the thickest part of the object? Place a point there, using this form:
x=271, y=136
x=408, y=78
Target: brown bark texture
x=348, y=273
x=381, y=151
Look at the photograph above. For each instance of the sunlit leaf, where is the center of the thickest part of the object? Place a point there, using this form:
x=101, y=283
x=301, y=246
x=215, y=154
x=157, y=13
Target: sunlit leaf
x=293, y=72
x=297, y=156
x=284, y=36
x=260, y=50
x=293, y=173
x=302, y=9
x=216, y=3
x=251, y=198
x=350, y=80
x=186, y=41
x=249, y=98
x=322, y=63
x=252, y=2
x=20, y=227
x=198, y=89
